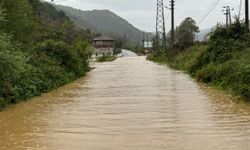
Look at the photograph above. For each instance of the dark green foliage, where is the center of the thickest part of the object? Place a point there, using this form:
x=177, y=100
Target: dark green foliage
x=224, y=62
x=73, y=59
x=185, y=33
x=39, y=50
x=225, y=44
x=48, y=12
x=2, y=15
x=139, y=50
x=106, y=58
x=19, y=19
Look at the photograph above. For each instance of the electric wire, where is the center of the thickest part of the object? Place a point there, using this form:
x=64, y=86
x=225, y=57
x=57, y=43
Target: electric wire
x=209, y=11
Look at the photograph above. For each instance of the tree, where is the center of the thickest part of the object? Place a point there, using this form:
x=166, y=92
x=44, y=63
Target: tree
x=1, y=13
x=35, y=3
x=19, y=19
x=185, y=33
x=2, y=16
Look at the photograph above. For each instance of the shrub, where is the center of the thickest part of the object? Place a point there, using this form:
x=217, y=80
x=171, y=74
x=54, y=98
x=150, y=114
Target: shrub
x=224, y=62
x=73, y=59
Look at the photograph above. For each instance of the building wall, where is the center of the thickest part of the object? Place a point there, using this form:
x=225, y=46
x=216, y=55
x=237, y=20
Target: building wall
x=103, y=48
x=110, y=43
x=104, y=51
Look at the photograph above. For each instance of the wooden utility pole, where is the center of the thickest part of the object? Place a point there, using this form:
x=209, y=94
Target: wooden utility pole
x=147, y=39
x=247, y=14
x=172, y=4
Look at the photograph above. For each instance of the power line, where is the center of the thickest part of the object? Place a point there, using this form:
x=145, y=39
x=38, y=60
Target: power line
x=208, y=12
x=204, y=14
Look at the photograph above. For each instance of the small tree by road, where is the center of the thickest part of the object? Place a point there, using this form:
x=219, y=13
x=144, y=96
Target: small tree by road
x=185, y=33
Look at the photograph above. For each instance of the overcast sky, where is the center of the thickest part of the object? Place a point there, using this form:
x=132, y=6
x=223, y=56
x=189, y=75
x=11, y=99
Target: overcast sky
x=142, y=13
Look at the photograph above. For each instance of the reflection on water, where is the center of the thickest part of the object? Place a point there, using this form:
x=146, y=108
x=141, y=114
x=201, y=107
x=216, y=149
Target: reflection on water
x=129, y=104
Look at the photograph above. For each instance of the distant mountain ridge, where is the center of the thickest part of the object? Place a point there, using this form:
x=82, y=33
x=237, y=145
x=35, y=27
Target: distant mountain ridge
x=104, y=22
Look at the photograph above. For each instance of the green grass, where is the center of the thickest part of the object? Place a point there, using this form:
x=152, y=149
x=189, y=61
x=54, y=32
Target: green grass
x=185, y=60
x=232, y=76
x=224, y=62
x=106, y=59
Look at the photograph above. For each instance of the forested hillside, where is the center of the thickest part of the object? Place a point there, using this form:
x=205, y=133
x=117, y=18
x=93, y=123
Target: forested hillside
x=40, y=49
x=104, y=22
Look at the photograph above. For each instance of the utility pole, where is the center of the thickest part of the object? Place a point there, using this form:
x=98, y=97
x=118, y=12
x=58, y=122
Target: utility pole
x=172, y=4
x=227, y=11
x=147, y=40
x=247, y=14
x=160, y=41
x=229, y=15
x=143, y=41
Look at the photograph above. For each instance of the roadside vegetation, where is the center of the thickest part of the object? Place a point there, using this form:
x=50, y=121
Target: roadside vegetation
x=224, y=61
x=106, y=58
x=40, y=50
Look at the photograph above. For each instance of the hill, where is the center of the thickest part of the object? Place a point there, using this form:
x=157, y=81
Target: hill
x=104, y=22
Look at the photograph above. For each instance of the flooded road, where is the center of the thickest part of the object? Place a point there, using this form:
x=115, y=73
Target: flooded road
x=129, y=104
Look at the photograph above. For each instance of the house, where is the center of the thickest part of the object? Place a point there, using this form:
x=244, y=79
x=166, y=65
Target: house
x=104, y=45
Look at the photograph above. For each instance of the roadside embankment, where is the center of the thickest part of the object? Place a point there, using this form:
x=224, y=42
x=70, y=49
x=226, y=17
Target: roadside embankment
x=106, y=58
x=223, y=62
x=40, y=50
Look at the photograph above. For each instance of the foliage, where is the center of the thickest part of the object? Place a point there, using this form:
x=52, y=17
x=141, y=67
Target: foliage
x=188, y=58
x=2, y=14
x=40, y=49
x=224, y=62
x=72, y=59
x=106, y=58
x=161, y=59
x=19, y=19
x=185, y=33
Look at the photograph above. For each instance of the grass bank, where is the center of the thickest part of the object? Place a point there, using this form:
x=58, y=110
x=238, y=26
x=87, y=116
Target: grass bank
x=106, y=59
x=224, y=62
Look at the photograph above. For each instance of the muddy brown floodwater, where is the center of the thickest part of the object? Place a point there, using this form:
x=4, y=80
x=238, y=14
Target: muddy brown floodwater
x=128, y=104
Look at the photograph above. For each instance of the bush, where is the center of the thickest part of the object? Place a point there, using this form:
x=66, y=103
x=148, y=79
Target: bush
x=51, y=65
x=106, y=58
x=30, y=64
x=73, y=59
x=12, y=65
x=224, y=62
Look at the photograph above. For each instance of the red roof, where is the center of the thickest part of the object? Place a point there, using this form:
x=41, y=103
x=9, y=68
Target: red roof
x=103, y=38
